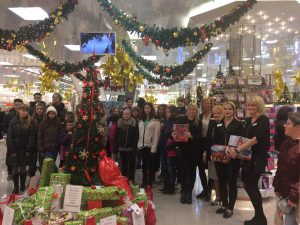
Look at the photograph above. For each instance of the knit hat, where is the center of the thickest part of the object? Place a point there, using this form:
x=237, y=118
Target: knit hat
x=51, y=109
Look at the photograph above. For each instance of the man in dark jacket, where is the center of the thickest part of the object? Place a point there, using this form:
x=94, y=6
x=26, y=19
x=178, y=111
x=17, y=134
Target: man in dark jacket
x=181, y=106
x=12, y=113
x=59, y=106
x=37, y=99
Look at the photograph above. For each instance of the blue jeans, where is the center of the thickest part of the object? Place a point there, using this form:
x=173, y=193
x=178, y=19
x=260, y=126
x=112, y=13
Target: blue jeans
x=291, y=218
x=171, y=172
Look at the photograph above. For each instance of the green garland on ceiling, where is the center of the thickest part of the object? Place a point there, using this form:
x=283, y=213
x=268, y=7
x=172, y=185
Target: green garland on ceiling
x=168, y=71
x=175, y=37
x=66, y=67
x=10, y=39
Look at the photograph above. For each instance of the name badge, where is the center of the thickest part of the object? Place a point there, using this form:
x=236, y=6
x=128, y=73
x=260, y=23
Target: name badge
x=254, y=124
x=219, y=125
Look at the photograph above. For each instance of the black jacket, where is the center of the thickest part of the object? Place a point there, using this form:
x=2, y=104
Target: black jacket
x=279, y=136
x=20, y=142
x=61, y=111
x=127, y=139
x=12, y=113
x=181, y=111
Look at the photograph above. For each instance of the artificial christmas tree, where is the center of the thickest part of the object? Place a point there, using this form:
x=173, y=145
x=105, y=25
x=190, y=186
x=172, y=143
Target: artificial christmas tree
x=82, y=162
x=285, y=98
x=199, y=95
x=188, y=98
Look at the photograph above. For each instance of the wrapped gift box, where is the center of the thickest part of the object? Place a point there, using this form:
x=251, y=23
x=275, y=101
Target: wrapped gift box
x=47, y=169
x=60, y=178
x=23, y=211
x=97, y=213
x=218, y=153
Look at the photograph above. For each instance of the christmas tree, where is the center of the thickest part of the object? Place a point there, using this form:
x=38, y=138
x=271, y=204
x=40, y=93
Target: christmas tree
x=188, y=97
x=82, y=162
x=199, y=95
x=285, y=98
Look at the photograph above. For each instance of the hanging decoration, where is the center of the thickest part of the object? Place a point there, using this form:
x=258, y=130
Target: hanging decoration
x=120, y=70
x=199, y=95
x=48, y=79
x=150, y=98
x=168, y=71
x=175, y=37
x=188, y=97
x=11, y=39
x=297, y=78
x=66, y=67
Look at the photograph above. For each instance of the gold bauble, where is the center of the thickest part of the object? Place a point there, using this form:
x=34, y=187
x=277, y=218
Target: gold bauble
x=116, y=22
x=187, y=39
x=141, y=28
x=175, y=34
x=195, y=33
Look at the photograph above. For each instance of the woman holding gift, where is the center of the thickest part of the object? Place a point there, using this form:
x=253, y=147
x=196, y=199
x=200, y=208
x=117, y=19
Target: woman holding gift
x=149, y=132
x=20, y=142
x=189, y=151
x=227, y=171
x=127, y=138
x=286, y=180
x=257, y=129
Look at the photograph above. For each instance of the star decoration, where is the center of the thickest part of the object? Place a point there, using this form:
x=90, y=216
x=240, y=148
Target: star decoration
x=85, y=117
x=297, y=78
x=83, y=154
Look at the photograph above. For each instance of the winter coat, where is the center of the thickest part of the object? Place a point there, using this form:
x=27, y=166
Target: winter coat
x=61, y=111
x=127, y=138
x=65, y=141
x=20, y=142
x=48, y=136
x=279, y=136
x=165, y=135
x=12, y=113
x=286, y=180
x=149, y=135
x=112, y=136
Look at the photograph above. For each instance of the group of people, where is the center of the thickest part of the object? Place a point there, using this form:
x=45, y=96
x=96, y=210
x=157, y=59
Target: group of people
x=140, y=137
x=35, y=132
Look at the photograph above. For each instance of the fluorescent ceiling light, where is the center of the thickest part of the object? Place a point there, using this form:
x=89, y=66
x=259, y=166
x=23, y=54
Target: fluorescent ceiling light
x=75, y=48
x=201, y=64
x=270, y=64
x=272, y=41
x=11, y=75
x=298, y=1
x=29, y=56
x=246, y=59
x=290, y=70
x=150, y=57
x=32, y=70
x=30, y=13
x=5, y=64
x=214, y=48
x=133, y=36
x=201, y=79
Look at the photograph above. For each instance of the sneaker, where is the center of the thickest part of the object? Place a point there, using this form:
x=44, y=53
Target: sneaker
x=220, y=210
x=227, y=214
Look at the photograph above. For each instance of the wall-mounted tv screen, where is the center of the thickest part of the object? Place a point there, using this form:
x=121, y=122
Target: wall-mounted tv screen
x=98, y=43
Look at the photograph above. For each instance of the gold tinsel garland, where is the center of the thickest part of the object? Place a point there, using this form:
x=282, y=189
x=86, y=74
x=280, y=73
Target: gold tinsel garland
x=120, y=69
x=150, y=98
x=48, y=79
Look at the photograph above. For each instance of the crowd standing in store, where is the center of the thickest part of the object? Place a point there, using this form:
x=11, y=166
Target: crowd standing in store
x=138, y=137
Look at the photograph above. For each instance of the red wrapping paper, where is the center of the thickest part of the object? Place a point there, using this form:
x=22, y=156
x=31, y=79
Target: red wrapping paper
x=94, y=204
x=90, y=221
x=27, y=222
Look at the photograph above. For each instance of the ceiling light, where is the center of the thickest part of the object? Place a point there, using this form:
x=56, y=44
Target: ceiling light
x=270, y=29
x=33, y=70
x=269, y=24
x=265, y=17
x=246, y=59
x=283, y=28
x=11, y=75
x=201, y=79
x=253, y=21
x=283, y=23
x=289, y=30
x=30, y=13
x=214, y=48
x=75, y=48
x=271, y=41
x=298, y=1
x=5, y=64
x=200, y=64
x=29, y=56
x=270, y=64
x=290, y=70
x=249, y=17
x=276, y=32
x=260, y=13
x=277, y=19
x=291, y=18
x=150, y=57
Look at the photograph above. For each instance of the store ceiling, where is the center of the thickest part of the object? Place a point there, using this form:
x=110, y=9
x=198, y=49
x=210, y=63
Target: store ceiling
x=88, y=17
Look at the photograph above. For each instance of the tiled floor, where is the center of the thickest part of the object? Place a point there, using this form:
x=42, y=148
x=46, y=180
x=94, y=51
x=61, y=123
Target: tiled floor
x=169, y=211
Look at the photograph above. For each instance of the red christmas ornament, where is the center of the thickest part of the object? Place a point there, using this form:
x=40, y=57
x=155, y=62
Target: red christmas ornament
x=79, y=125
x=27, y=222
x=146, y=41
x=93, y=187
x=157, y=42
x=75, y=157
x=84, y=95
x=93, y=170
x=9, y=48
x=73, y=168
x=97, y=139
x=96, y=72
x=109, y=7
x=87, y=70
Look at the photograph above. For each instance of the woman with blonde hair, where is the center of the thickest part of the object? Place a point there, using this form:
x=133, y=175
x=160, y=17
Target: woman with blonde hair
x=257, y=130
x=189, y=152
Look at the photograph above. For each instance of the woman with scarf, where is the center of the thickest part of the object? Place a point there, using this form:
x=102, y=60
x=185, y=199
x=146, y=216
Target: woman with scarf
x=127, y=138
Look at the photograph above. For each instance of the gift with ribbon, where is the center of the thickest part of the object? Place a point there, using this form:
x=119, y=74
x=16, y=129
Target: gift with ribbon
x=77, y=222
x=23, y=212
x=103, y=193
x=47, y=169
x=97, y=213
x=44, y=197
x=60, y=178
x=122, y=221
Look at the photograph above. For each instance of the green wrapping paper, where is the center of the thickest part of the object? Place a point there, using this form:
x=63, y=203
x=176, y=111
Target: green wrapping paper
x=122, y=220
x=29, y=200
x=105, y=193
x=47, y=169
x=141, y=198
x=44, y=197
x=22, y=211
x=60, y=178
x=77, y=222
x=97, y=213
x=118, y=210
x=135, y=189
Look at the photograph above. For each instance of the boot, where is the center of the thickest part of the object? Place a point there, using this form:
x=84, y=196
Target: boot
x=183, y=197
x=22, y=182
x=16, y=183
x=188, y=197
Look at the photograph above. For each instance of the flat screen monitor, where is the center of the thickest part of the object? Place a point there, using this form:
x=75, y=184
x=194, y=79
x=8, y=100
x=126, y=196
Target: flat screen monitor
x=98, y=43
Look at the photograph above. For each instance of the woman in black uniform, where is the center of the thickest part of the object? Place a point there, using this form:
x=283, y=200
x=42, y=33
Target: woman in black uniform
x=257, y=129
x=227, y=171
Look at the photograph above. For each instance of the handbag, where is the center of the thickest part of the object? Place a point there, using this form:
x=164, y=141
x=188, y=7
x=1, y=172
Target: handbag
x=283, y=206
